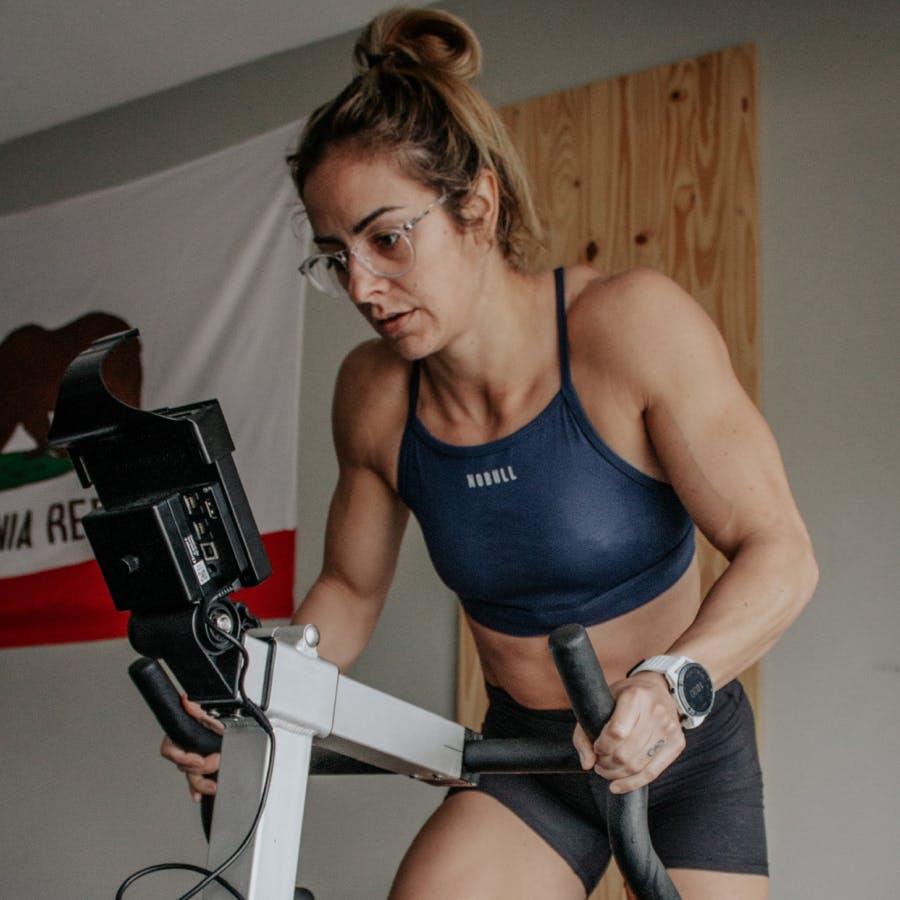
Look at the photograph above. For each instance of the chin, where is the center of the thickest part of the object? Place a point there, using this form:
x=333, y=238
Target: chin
x=409, y=348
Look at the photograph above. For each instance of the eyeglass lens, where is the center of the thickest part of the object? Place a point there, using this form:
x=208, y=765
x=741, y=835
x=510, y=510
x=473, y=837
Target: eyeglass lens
x=386, y=252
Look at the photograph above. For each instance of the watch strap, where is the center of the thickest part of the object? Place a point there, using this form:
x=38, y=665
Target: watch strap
x=662, y=664
x=670, y=667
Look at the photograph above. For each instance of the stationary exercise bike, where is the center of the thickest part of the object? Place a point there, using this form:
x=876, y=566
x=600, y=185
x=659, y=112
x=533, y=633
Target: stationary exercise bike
x=174, y=537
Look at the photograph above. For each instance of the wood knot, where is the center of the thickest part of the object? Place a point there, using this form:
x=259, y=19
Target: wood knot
x=591, y=251
x=685, y=198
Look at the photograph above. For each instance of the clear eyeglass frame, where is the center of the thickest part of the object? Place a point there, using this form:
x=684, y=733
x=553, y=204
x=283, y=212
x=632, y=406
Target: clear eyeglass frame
x=387, y=252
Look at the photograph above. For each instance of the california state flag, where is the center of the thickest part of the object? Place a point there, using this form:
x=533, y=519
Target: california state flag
x=203, y=260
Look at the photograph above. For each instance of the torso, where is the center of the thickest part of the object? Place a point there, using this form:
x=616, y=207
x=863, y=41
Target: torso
x=522, y=666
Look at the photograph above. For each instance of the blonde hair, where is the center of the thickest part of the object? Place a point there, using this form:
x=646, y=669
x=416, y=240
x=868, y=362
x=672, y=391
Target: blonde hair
x=412, y=97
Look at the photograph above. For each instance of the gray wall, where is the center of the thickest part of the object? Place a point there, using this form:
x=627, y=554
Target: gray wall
x=85, y=799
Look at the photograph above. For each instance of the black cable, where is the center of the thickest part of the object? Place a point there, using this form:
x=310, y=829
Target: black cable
x=248, y=706
x=257, y=714
x=165, y=867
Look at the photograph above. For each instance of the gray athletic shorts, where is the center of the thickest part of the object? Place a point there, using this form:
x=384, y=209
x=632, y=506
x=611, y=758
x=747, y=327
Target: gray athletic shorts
x=705, y=810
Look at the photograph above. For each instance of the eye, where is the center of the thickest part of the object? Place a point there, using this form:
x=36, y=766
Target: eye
x=386, y=242
x=336, y=262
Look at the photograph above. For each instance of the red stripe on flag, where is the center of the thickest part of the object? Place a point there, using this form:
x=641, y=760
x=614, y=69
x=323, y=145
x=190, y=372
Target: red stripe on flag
x=71, y=604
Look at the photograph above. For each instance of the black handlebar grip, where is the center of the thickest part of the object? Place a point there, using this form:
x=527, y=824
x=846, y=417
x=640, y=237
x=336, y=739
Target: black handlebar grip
x=633, y=849
x=582, y=678
x=164, y=701
x=160, y=695
x=593, y=704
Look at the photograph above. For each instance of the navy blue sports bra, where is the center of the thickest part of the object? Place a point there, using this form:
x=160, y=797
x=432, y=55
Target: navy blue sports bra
x=546, y=526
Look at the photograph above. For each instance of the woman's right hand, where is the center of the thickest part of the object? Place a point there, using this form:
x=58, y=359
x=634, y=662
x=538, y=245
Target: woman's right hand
x=197, y=768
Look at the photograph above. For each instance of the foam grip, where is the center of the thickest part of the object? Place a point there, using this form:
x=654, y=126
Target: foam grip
x=164, y=701
x=593, y=704
x=582, y=678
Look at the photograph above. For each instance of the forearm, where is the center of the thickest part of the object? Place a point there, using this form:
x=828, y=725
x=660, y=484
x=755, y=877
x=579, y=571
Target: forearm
x=345, y=621
x=750, y=606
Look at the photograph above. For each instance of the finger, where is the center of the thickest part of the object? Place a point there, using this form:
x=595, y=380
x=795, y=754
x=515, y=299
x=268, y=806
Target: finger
x=194, y=764
x=658, y=756
x=192, y=708
x=171, y=751
x=640, y=779
x=208, y=765
x=187, y=761
x=620, y=749
x=201, y=787
x=642, y=716
x=646, y=742
x=624, y=720
x=584, y=748
x=627, y=732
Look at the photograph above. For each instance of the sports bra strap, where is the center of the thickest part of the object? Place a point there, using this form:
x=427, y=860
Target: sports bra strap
x=414, y=389
x=562, y=333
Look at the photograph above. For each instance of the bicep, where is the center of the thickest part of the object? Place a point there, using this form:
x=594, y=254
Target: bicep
x=712, y=441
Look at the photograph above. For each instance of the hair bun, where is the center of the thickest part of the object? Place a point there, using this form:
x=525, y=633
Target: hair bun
x=428, y=38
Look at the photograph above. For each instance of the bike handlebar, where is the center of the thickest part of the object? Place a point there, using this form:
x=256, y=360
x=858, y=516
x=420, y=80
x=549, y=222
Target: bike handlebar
x=160, y=695
x=591, y=701
x=165, y=703
x=593, y=704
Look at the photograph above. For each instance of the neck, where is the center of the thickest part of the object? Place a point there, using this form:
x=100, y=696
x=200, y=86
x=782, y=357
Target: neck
x=505, y=355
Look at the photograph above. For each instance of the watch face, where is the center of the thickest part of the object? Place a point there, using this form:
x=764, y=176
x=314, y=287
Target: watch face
x=696, y=689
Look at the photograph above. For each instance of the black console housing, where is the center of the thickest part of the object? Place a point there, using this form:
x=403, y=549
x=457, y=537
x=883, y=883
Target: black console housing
x=174, y=534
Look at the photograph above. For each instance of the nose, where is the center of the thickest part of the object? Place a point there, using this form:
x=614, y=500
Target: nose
x=362, y=282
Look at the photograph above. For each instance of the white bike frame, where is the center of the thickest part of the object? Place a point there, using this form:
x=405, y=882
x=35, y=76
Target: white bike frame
x=306, y=699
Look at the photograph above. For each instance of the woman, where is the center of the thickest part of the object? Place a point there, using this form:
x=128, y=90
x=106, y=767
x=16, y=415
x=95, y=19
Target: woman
x=557, y=435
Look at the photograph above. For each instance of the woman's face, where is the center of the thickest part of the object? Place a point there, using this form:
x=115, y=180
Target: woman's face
x=348, y=198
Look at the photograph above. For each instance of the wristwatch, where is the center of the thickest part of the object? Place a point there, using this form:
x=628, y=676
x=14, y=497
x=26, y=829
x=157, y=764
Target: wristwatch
x=689, y=683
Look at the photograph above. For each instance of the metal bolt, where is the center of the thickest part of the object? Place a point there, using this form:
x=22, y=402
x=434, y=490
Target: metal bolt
x=311, y=636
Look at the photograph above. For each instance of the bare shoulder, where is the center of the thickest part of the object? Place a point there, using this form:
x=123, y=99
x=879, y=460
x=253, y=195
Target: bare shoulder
x=370, y=367
x=370, y=404
x=639, y=318
x=628, y=298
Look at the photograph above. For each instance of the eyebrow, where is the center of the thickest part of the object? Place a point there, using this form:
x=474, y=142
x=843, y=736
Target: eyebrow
x=358, y=228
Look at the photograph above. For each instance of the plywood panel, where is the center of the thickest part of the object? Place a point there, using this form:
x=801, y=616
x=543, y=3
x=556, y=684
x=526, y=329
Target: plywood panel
x=660, y=169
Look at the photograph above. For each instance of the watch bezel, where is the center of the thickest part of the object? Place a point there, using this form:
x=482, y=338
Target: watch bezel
x=686, y=693
x=674, y=669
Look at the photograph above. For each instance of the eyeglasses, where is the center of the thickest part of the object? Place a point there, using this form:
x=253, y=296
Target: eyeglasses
x=386, y=252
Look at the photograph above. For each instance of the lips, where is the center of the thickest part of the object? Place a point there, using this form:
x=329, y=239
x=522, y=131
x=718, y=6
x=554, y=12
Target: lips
x=393, y=324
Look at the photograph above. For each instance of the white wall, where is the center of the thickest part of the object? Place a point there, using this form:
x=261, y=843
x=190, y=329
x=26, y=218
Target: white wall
x=78, y=751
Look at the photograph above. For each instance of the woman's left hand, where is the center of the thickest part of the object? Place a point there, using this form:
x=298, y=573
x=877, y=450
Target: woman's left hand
x=642, y=738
